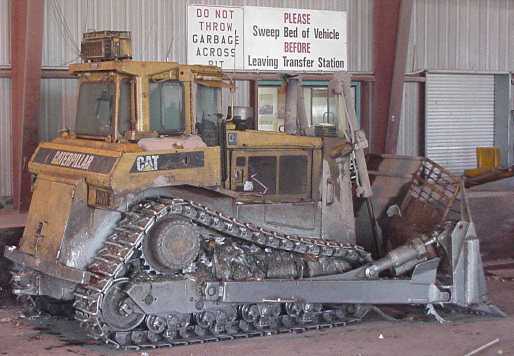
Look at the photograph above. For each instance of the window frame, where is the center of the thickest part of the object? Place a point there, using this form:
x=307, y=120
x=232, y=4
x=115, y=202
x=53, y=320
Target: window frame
x=319, y=84
x=356, y=85
x=219, y=99
x=239, y=173
x=113, y=110
x=130, y=106
x=276, y=84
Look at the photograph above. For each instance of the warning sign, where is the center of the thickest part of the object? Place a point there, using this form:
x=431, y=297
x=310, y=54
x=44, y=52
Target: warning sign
x=294, y=39
x=264, y=38
x=215, y=36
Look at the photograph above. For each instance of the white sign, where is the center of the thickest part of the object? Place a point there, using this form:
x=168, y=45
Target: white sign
x=294, y=40
x=264, y=38
x=215, y=36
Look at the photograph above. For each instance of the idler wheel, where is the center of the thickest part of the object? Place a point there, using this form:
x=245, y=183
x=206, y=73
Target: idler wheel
x=294, y=309
x=156, y=324
x=250, y=313
x=118, y=310
x=172, y=245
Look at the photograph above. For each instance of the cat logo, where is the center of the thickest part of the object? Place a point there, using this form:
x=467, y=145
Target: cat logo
x=167, y=161
x=147, y=163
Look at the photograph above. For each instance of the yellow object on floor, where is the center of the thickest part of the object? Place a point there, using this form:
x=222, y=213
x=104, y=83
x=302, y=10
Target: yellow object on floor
x=488, y=159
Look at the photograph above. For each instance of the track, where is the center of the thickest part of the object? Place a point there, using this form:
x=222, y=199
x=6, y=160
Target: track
x=122, y=249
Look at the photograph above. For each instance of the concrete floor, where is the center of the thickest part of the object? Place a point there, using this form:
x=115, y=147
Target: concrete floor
x=372, y=337
x=493, y=214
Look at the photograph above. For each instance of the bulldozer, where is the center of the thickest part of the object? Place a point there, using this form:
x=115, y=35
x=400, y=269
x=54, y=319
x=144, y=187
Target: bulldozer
x=165, y=222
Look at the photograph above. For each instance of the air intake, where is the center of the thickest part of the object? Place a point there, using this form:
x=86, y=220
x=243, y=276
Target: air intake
x=101, y=46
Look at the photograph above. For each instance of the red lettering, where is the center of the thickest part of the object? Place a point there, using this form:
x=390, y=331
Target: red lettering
x=297, y=18
x=297, y=47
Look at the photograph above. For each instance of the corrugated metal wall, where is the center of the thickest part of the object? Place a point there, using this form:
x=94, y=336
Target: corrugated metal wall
x=58, y=106
x=460, y=117
x=462, y=35
x=159, y=28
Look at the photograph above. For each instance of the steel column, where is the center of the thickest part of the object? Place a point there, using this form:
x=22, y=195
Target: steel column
x=400, y=62
x=391, y=27
x=26, y=49
x=365, y=105
x=254, y=102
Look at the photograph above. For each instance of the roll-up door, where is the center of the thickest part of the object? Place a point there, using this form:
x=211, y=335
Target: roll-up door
x=459, y=116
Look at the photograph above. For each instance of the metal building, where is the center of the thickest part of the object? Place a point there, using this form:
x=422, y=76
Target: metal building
x=468, y=36
x=471, y=38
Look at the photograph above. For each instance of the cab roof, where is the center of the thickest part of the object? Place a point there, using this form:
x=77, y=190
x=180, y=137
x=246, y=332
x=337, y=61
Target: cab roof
x=144, y=68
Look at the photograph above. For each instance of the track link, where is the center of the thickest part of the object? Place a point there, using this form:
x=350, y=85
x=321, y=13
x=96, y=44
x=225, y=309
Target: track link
x=126, y=238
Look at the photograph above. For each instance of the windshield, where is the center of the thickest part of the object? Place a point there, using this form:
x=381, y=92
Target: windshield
x=94, y=112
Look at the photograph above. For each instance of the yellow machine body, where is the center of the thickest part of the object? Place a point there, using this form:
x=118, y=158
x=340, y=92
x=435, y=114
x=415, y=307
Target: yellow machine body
x=160, y=217
x=85, y=180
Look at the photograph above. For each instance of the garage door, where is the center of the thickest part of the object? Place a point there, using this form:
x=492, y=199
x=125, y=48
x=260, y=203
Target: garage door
x=459, y=116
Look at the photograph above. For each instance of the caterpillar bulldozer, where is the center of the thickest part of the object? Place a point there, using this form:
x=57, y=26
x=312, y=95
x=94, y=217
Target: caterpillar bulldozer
x=166, y=223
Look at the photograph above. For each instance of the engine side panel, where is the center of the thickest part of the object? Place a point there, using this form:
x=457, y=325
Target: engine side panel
x=144, y=170
x=49, y=215
x=85, y=234
x=302, y=219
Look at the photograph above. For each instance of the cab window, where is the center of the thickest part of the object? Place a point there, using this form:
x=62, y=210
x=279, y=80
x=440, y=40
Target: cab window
x=207, y=100
x=166, y=107
x=207, y=109
x=95, y=107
